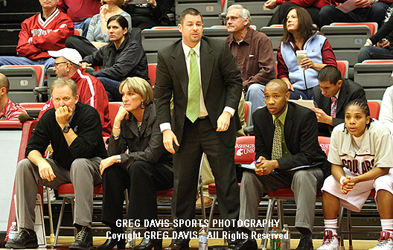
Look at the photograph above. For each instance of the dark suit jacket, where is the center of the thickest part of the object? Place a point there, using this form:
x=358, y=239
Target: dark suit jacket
x=301, y=138
x=349, y=91
x=221, y=85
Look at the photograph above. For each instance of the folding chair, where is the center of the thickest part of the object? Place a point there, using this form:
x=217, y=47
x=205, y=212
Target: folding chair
x=283, y=194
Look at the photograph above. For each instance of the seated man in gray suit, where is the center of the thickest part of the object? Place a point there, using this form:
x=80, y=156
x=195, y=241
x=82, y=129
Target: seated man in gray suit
x=288, y=155
x=331, y=96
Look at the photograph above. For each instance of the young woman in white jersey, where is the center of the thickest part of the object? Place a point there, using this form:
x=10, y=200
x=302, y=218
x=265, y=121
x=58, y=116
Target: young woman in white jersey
x=361, y=154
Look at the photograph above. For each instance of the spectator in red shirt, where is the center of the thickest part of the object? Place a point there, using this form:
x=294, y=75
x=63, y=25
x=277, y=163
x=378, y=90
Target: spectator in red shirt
x=80, y=11
x=8, y=110
x=45, y=31
x=90, y=89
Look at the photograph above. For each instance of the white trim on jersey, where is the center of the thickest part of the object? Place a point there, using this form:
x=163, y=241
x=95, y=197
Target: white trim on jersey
x=91, y=87
x=49, y=19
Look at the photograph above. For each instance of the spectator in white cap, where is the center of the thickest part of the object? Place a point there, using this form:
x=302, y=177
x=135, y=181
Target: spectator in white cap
x=90, y=89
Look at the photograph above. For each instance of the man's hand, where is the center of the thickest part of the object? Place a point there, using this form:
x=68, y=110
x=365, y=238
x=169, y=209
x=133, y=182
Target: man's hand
x=45, y=170
x=168, y=139
x=267, y=167
x=106, y=163
x=258, y=165
x=322, y=116
x=384, y=43
x=364, y=3
x=271, y=4
x=63, y=115
x=85, y=65
x=223, y=121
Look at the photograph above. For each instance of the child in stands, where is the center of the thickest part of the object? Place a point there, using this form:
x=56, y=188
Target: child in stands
x=361, y=154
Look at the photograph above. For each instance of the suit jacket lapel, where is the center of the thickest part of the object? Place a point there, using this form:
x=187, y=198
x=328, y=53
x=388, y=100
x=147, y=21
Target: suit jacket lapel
x=342, y=96
x=288, y=126
x=180, y=67
x=327, y=103
x=133, y=125
x=206, y=60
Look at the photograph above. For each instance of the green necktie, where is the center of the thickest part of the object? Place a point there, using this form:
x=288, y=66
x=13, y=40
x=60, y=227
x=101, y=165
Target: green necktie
x=193, y=101
x=277, y=143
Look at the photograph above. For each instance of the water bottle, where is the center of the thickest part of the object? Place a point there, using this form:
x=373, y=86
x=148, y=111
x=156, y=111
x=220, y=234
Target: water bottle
x=203, y=238
x=130, y=238
x=286, y=238
x=275, y=241
x=13, y=232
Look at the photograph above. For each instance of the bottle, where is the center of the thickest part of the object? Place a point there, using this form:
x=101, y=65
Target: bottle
x=13, y=232
x=286, y=238
x=275, y=241
x=203, y=238
x=130, y=238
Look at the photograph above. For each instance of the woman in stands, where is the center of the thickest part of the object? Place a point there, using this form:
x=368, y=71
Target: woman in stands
x=97, y=35
x=123, y=57
x=386, y=112
x=301, y=34
x=361, y=154
x=143, y=170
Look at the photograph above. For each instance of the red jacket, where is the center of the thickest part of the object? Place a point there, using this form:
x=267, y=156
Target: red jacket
x=38, y=36
x=91, y=92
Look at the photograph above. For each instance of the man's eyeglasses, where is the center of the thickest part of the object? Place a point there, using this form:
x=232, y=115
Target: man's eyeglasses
x=232, y=18
x=56, y=64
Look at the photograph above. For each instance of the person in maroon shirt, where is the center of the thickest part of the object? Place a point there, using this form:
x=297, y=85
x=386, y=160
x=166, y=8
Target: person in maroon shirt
x=253, y=53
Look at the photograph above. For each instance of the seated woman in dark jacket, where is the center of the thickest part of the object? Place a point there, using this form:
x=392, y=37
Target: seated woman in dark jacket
x=123, y=57
x=144, y=170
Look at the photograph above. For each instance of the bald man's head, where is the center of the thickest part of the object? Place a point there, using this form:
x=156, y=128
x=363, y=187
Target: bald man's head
x=280, y=83
x=4, y=83
x=276, y=96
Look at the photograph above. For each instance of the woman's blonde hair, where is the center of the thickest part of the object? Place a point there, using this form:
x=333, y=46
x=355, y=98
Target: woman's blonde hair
x=117, y=2
x=139, y=86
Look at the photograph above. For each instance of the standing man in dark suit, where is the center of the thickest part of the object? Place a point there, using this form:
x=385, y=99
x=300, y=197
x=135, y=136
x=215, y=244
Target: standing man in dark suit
x=206, y=85
x=331, y=96
x=288, y=155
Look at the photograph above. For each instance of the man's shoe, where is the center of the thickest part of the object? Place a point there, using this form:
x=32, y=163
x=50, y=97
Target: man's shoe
x=246, y=244
x=84, y=239
x=26, y=238
x=385, y=242
x=305, y=243
x=174, y=246
x=207, y=200
x=330, y=241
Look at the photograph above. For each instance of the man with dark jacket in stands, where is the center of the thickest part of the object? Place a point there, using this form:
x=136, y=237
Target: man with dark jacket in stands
x=74, y=131
x=45, y=31
x=331, y=96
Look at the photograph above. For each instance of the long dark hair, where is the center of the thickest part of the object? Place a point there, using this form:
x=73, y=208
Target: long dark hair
x=306, y=29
